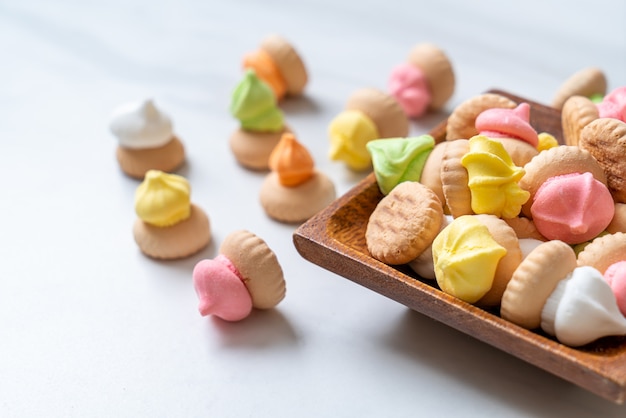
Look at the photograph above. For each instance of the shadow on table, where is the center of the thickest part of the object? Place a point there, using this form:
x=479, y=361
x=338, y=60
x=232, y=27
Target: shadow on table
x=506, y=379
x=262, y=329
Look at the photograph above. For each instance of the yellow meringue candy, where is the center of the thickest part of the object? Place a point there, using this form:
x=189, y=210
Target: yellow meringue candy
x=546, y=141
x=163, y=199
x=465, y=257
x=350, y=132
x=493, y=179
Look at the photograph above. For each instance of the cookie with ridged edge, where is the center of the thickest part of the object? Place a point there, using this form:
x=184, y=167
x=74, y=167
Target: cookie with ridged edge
x=431, y=173
x=605, y=139
x=438, y=71
x=136, y=162
x=454, y=179
x=404, y=223
x=461, y=122
x=505, y=236
x=258, y=267
x=577, y=112
x=252, y=149
x=288, y=61
x=180, y=240
x=383, y=109
x=533, y=282
x=603, y=251
x=565, y=159
x=296, y=204
x=586, y=82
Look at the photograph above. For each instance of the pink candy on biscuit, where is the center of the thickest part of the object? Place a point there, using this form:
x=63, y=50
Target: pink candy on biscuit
x=221, y=290
x=508, y=123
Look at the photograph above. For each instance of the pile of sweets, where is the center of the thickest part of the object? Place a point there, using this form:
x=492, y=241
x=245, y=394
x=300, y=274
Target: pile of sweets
x=487, y=211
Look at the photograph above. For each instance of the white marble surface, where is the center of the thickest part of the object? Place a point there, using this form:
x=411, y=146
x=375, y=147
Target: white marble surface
x=91, y=328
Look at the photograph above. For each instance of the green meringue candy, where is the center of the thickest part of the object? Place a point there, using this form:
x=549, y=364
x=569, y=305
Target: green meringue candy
x=253, y=103
x=399, y=159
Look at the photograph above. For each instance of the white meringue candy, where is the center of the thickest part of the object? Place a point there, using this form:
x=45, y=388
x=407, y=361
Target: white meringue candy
x=582, y=308
x=141, y=125
x=527, y=245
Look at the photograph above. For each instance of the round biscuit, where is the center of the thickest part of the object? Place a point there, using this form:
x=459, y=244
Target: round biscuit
x=557, y=161
x=577, y=112
x=534, y=280
x=383, y=109
x=404, y=223
x=603, y=251
x=461, y=122
x=258, y=266
x=454, y=179
x=605, y=139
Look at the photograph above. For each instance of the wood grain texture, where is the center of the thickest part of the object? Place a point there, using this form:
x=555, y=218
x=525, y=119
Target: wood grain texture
x=335, y=240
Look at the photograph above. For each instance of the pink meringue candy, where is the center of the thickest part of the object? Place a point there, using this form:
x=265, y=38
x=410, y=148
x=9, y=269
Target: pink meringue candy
x=426, y=81
x=615, y=276
x=221, y=289
x=409, y=86
x=613, y=105
x=508, y=123
x=245, y=275
x=581, y=309
x=573, y=208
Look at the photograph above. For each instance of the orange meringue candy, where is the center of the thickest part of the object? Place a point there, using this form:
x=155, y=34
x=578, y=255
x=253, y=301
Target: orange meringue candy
x=267, y=70
x=291, y=161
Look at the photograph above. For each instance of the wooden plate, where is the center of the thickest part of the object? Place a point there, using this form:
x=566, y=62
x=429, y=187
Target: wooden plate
x=335, y=240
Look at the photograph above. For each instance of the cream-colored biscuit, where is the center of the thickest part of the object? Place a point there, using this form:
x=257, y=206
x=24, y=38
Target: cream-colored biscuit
x=524, y=228
x=618, y=224
x=383, y=109
x=461, y=123
x=556, y=161
x=288, y=61
x=521, y=152
x=505, y=236
x=586, y=82
x=177, y=241
x=136, y=162
x=605, y=139
x=604, y=251
x=296, y=204
x=404, y=223
x=533, y=282
x=431, y=173
x=252, y=149
x=578, y=112
x=454, y=179
x=258, y=266
x=438, y=71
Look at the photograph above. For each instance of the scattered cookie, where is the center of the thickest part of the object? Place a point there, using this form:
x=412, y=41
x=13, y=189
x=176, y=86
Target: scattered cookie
x=146, y=139
x=425, y=81
x=279, y=65
x=294, y=190
x=587, y=82
x=245, y=275
x=168, y=226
